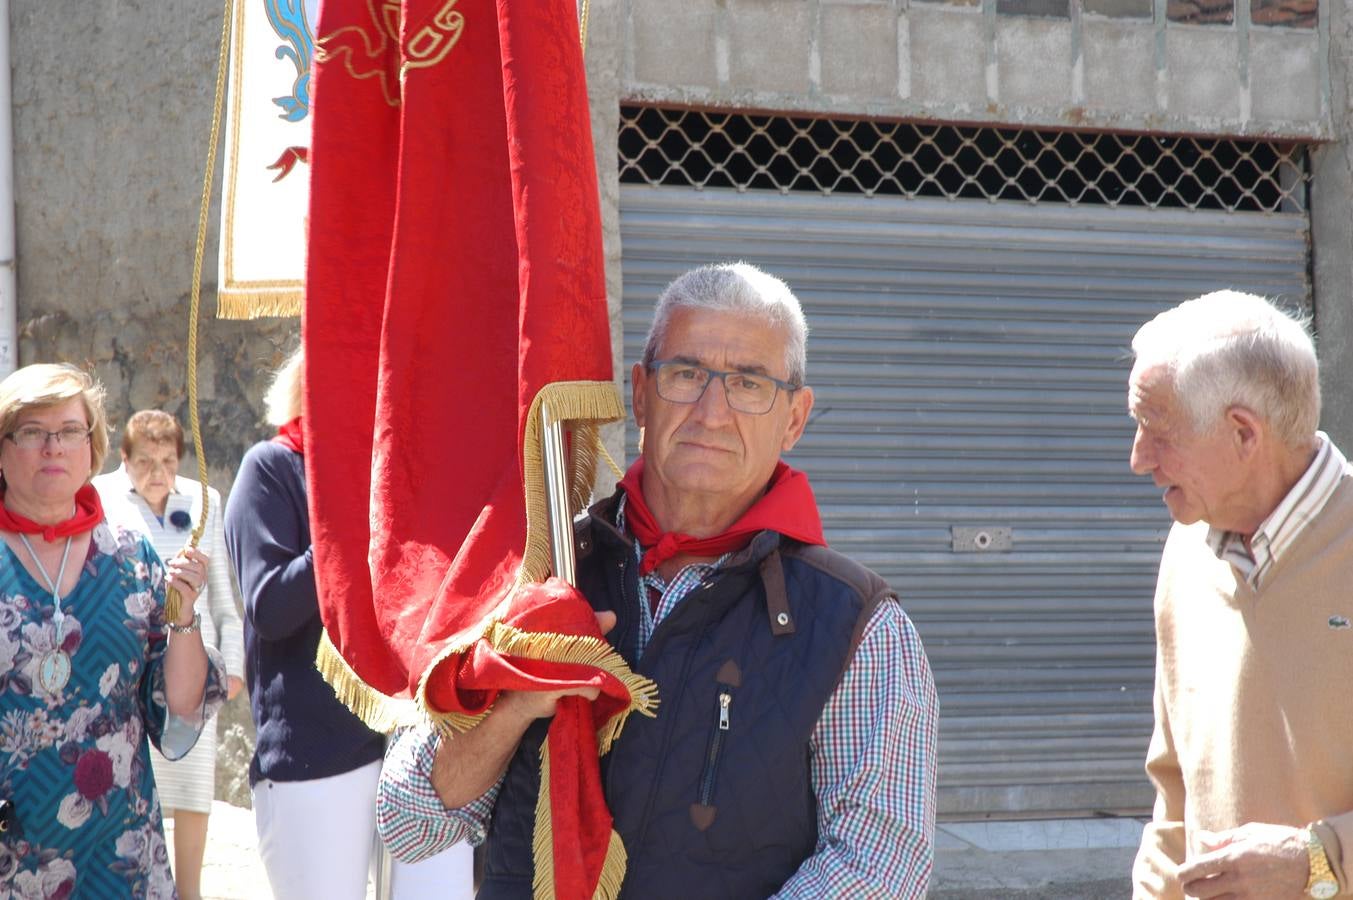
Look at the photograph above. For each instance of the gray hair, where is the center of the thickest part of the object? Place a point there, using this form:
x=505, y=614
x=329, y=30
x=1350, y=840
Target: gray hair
x=283, y=399
x=1227, y=348
x=737, y=288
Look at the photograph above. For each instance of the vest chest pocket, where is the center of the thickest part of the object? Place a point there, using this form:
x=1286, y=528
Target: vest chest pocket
x=704, y=809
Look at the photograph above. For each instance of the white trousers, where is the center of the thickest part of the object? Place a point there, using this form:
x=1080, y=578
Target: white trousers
x=317, y=839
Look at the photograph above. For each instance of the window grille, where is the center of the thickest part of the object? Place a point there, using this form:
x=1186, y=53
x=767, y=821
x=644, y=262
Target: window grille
x=749, y=151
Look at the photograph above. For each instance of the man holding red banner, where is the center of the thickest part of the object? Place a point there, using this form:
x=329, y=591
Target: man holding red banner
x=793, y=754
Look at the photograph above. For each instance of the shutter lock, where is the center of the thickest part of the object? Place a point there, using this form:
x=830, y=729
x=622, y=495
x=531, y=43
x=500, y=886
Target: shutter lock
x=980, y=539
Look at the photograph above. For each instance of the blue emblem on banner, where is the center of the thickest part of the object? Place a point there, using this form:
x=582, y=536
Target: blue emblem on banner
x=291, y=19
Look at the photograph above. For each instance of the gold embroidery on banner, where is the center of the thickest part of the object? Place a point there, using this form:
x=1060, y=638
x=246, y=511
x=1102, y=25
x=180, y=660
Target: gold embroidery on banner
x=374, y=50
x=430, y=43
x=364, y=56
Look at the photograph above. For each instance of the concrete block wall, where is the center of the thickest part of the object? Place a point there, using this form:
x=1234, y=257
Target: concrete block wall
x=1332, y=235
x=967, y=63
x=1119, y=60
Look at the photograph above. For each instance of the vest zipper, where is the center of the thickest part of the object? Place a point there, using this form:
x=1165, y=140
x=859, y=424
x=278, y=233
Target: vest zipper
x=721, y=728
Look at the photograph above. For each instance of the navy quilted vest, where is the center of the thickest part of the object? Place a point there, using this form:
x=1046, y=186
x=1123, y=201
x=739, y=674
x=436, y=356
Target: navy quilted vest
x=713, y=798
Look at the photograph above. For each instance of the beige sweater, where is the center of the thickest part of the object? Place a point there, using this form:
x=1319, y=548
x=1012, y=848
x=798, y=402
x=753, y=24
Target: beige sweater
x=1254, y=696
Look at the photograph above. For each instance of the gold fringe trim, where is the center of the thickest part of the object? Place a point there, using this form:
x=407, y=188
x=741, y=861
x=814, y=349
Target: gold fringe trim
x=233, y=304
x=586, y=404
x=384, y=713
x=613, y=869
x=449, y=724
x=542, y=850
x=561, y=648
x=583, y=651
x=542, y=883
x=380, y=712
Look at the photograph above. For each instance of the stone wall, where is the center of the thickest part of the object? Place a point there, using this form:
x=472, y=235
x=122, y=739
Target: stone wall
x=111, y=115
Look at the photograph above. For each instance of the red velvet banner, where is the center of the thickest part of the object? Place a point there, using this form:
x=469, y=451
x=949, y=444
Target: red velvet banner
x=454, y=270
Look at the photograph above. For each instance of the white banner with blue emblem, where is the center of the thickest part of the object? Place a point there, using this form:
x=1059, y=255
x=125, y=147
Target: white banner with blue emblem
x=265, y=194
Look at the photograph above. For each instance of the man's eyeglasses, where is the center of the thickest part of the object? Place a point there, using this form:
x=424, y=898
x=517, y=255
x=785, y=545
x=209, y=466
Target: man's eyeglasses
x=31, y=437
x=748, y=392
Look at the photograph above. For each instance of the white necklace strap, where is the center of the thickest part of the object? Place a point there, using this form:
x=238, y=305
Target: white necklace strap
x=53, y=586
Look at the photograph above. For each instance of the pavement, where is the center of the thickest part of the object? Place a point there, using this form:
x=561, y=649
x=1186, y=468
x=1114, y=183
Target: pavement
x=1061, y=859
x=231, y=869
x=1039, y=859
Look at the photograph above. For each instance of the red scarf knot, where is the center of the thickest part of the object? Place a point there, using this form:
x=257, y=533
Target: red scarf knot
x=787, y=507
x=88, y=513
x=292, y=436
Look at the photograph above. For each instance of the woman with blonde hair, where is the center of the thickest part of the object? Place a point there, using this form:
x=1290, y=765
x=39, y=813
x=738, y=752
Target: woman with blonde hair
x=91, y=673
x=147, y=494
x=315, y=765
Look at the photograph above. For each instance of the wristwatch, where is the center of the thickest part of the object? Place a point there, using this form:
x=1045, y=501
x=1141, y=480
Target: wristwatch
x=1321, y=885
x=197, y=625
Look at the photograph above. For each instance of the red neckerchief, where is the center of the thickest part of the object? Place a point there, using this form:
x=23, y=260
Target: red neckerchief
x=786, y=507
x=292, y=436
x=88, y=513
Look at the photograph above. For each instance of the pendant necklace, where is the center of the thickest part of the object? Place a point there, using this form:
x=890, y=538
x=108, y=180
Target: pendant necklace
x=54, y=670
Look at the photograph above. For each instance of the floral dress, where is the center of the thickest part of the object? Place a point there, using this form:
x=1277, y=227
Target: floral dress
x=75, y=762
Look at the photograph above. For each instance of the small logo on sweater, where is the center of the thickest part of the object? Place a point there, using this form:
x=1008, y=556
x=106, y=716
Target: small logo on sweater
x=1339, y=623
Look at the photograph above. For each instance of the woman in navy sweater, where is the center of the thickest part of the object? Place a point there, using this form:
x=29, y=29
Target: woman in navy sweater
x=315, y=766
x=313, y=757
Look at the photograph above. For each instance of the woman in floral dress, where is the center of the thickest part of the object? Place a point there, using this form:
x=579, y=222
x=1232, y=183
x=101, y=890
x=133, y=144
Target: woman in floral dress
x=90, y=671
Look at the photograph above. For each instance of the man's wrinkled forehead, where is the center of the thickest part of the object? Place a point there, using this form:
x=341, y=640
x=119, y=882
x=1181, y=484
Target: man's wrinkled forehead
x=1150, y=391
x=728, y=339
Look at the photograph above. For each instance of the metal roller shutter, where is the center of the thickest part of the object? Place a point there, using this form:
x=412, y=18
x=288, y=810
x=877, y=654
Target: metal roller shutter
x=970, y=363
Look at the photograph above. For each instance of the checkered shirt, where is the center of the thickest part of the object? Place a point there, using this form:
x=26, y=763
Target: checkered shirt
x=1279, y=531
x=872, y=767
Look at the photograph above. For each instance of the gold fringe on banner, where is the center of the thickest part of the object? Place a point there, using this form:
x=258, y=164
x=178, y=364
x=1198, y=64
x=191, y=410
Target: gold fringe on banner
x=582, y=651
x=542, y=883
x=380, y=712
x=235, y=304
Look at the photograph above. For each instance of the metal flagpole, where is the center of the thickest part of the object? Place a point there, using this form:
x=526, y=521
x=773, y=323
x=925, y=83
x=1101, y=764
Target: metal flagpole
x=556, y=493
x=384, y=862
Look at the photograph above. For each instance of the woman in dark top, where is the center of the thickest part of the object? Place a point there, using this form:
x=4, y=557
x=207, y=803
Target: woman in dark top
x=315, y=765
x=313, y=758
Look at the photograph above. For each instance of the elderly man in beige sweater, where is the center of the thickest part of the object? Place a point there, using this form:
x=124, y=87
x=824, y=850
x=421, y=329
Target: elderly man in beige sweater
x=1252, y=753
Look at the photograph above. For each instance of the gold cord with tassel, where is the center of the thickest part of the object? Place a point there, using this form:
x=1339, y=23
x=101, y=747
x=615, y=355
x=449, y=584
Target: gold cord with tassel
x=172, y=599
